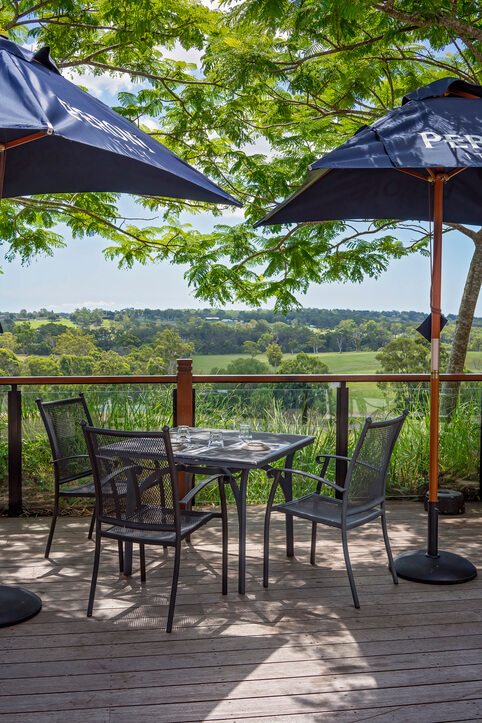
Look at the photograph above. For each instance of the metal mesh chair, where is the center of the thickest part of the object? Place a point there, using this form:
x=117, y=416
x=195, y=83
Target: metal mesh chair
x=150, y=512
x=362, y=498
x=69, y=454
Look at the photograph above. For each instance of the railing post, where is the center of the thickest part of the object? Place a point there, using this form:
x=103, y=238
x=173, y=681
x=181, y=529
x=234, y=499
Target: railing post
x=342, y=399
x=14, y=451
x=185, y=406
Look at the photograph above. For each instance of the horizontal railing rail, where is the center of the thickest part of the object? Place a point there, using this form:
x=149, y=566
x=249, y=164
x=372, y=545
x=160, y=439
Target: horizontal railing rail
x=184, y=401
x=236, y=378
x=42, y=381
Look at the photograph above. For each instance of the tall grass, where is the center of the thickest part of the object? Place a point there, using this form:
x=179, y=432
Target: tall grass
x=150, y=408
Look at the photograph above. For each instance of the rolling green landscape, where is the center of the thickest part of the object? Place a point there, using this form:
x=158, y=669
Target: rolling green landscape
x=254, y=342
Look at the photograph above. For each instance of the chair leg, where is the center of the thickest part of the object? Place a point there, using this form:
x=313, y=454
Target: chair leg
x=121, y=556
x=267, y=519
x=224, y=532
x=391, y=565
x=52, y=527
x=266, y=547
x=92, y=525
x=142, y=555
x=348, y=568
x=175, y=578
x=313, y=543
x=95, y=572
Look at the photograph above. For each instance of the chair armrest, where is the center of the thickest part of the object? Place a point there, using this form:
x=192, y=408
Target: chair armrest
x=327, y=458
x=192, y=493
x=332, y=456
x=276, y=471
x=66, y=459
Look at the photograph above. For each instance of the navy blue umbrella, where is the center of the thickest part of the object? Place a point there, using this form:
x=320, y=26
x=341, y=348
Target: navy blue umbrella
x=432, y=141
x=56, y=138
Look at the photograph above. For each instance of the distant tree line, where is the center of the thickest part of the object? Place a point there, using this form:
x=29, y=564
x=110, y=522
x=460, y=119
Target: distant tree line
x=146, y=341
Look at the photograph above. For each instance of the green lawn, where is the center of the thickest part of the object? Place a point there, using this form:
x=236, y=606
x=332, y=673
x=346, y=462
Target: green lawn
x=350, y=362
x=474, y=361
x=35, y=323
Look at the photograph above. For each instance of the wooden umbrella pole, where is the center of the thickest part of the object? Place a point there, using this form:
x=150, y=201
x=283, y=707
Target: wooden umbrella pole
x=435, y=366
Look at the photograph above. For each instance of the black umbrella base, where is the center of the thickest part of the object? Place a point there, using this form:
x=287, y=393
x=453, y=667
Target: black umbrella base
x=17, y=605
x=444, y=569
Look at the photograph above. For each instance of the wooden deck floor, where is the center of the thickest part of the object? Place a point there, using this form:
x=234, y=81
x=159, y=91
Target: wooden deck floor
x=298, y=651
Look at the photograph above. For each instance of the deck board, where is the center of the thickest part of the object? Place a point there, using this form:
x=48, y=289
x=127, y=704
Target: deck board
x=298, y=651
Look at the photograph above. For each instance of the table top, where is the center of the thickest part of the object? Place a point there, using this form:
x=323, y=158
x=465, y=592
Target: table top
x=236, y=453
x=270, y=446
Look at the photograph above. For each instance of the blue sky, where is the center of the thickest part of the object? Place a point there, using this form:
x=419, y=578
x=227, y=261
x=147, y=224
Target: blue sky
x=78, y=275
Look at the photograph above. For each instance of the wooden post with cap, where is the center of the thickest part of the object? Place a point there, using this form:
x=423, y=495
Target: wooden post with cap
x=185, y=410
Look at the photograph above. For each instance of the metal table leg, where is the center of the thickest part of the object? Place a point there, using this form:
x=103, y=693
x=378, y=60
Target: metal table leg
x=239, y=488
x=241, y=505
x=286, y=483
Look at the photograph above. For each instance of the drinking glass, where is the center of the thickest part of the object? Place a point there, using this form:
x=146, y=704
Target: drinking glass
x=216, y=438
x=183, y=434
x=245, y=432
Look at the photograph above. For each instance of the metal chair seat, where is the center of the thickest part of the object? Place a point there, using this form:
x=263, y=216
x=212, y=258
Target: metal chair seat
x=327, y=511
x=190, y=521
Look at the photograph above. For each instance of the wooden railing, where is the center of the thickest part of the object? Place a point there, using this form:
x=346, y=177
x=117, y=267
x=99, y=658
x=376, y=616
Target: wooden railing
x=183, y=403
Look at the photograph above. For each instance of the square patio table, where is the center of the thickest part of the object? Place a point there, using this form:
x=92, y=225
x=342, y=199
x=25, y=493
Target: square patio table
x=235, y=460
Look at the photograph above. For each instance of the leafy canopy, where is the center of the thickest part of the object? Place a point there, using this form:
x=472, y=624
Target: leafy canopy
x=278, y=84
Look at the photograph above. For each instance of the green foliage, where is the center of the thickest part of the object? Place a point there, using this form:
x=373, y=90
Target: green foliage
x=40, y=366
x=278, y=85
x=274, y=354
x=168, y=348
x=243, y=366
x=75, y=342
x=150, y=408
x=72, y=365
x=9, y=363
x=408, y=356
x=303, y=364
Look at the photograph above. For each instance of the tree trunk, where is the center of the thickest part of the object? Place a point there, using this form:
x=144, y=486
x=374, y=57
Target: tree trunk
x=456, y=363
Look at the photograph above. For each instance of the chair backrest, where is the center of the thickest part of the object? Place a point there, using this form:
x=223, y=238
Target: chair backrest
x=367, y=473
x=135, y=478
x=62, y=421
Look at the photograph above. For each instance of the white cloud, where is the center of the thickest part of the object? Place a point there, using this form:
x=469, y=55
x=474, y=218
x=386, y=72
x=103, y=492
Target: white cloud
x=193, y=55
x=103, y=85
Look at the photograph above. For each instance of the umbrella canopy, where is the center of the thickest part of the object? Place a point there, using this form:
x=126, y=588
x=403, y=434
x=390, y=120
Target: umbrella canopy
x=435, y=137
x=80, y=144
x=437, y=127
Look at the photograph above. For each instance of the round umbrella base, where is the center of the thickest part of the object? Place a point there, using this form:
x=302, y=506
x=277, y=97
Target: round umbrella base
x=17, y=605
x=444, y=569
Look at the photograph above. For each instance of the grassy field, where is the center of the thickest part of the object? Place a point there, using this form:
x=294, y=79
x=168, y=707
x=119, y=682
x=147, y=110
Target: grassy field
x=474, y=361
x=350, y=362
x=35, y=323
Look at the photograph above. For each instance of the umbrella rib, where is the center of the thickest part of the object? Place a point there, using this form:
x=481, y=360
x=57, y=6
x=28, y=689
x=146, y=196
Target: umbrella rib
x=416, y=174
x=433, y=174
x=27, y=139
